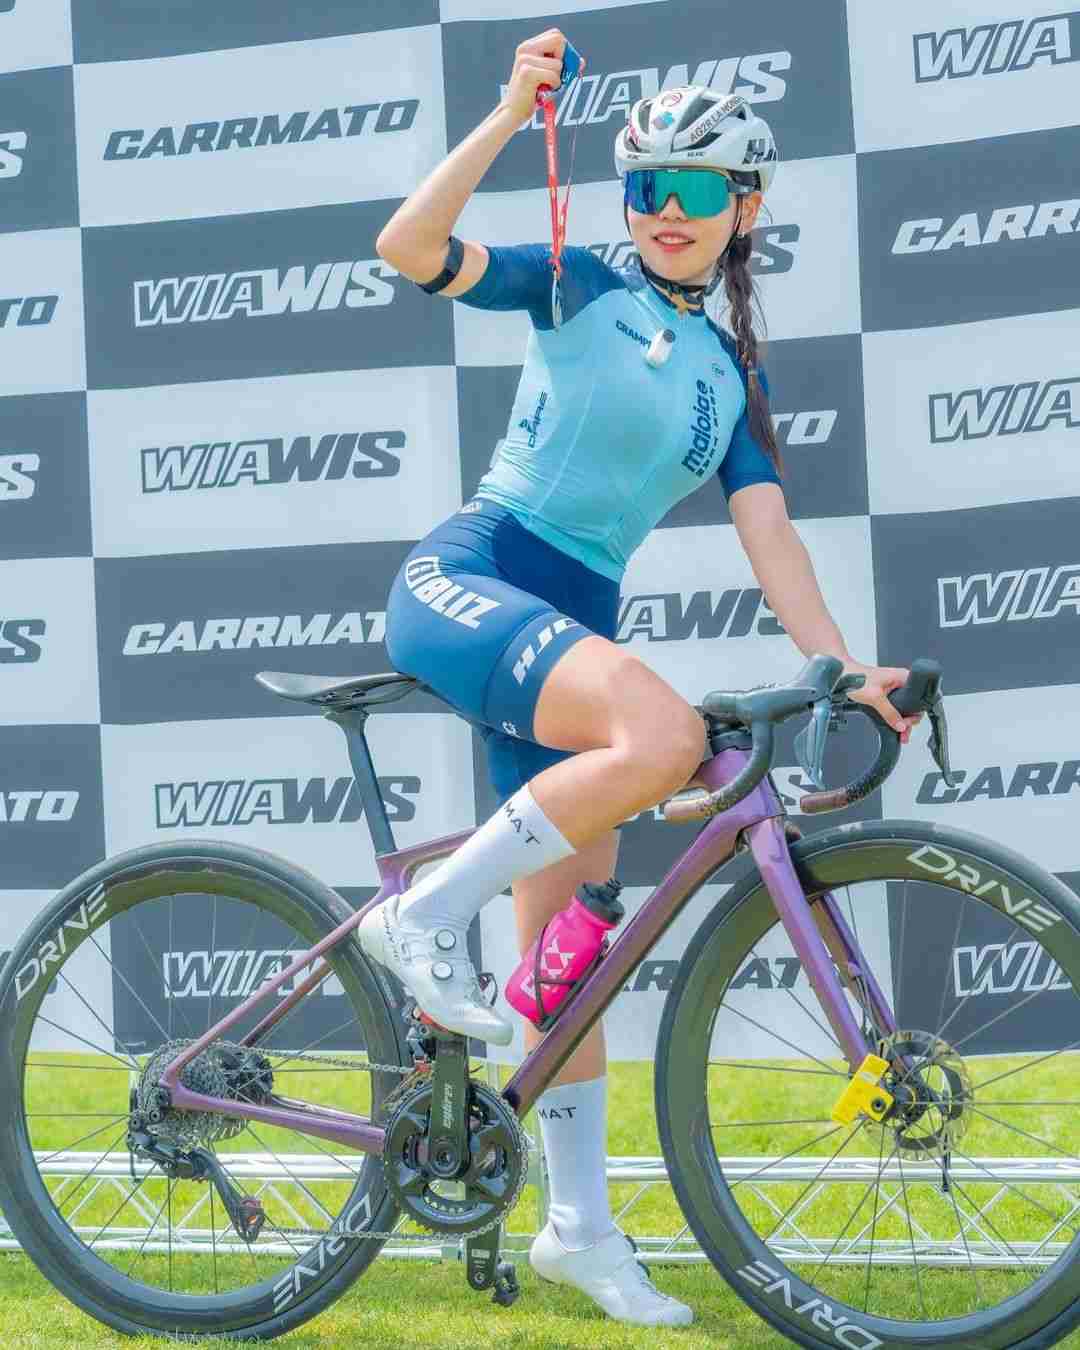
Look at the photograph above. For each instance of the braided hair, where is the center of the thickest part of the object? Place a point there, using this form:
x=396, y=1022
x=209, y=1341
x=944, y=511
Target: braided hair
x=733, y=267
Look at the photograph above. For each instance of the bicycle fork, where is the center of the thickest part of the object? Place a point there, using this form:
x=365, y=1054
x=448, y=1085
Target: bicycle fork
x=831, y=957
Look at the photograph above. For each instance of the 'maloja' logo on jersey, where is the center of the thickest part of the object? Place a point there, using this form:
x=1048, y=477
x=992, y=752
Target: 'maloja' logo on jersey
x=266, y=292
x=993, y=48
x=221, y=464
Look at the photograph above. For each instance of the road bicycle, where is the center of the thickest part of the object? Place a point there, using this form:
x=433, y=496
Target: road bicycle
x=214, y=1111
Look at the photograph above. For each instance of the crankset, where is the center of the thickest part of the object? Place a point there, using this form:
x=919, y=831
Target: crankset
x=454, y=1156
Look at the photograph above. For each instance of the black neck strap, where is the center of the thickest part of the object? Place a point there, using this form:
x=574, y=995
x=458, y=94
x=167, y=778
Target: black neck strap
x=693, y=297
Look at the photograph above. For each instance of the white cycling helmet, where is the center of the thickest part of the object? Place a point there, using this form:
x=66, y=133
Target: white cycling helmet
x=694, y=125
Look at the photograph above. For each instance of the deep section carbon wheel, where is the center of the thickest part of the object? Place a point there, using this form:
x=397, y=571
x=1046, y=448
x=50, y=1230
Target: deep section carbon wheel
x=955, y=1221
x=190, y=1224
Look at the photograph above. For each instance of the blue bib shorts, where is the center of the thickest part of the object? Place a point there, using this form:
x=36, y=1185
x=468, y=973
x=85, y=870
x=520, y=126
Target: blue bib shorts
x=480, y=611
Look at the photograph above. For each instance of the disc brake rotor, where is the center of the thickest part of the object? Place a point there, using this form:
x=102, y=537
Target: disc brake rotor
x=487, y=1187
x=933, y=1095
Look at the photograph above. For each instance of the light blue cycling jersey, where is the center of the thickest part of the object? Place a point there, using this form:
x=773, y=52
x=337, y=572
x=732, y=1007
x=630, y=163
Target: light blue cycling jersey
x=600, y=445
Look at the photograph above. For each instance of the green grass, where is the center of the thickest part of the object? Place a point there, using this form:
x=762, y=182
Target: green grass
x=421, y=1304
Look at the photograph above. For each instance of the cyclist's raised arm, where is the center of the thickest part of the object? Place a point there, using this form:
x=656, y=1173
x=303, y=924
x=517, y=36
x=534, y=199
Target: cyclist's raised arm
x=415, y=240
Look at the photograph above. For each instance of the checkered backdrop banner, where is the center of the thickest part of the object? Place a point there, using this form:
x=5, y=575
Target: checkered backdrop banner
x=224, y=420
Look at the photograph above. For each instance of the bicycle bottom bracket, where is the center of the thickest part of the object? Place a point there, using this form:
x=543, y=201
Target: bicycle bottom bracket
x=932, y=1093
x=489, y=1180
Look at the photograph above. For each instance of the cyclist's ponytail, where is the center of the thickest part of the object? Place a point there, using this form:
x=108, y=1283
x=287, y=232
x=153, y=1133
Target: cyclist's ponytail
x=742, y=296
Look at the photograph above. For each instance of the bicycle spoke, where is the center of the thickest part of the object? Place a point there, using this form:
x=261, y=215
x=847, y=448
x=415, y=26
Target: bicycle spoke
x=213, y=1239
x=773, y=1068
x=942, y=1021
x=962, y=1230
x=90, y=1009
x=814, y=1179
x=68, y=1147
x=985, y=1217
x=154, y=966
x=70, y=1194
x=128, y=1064
x=292, y=1175
x=1052, y=1054
x=129, y=1196
x=911, y=1236
x=874, y=1186
x=213, y=953
x=826, y=1031
x=873, y=1221
x=128, y=986
x=147, y=1235
x=775, y=1162
x=783, y=1041
x=1015, y=1007
x=1035, y=1139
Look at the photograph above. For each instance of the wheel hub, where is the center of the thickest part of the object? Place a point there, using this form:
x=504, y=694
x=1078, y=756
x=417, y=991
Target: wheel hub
x=456, y=1195
x=932, y=1095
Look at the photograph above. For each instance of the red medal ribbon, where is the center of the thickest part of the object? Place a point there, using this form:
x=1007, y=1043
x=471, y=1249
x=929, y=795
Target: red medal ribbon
x=558, y=217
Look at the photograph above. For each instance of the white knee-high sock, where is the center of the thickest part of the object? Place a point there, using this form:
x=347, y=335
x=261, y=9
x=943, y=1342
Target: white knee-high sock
x=515, y=842
x=573, y=1126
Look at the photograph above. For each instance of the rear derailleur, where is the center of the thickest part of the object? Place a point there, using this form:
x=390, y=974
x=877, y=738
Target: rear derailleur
x=196, y=1164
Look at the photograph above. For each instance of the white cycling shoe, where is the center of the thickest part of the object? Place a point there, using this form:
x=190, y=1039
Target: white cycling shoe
x=609, y=1273
x=432, y=962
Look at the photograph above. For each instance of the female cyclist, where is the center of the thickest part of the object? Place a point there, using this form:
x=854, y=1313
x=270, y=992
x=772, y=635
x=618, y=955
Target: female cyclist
x=508, y=609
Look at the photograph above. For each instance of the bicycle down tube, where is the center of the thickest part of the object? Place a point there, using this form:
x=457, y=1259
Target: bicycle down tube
x=759, y=814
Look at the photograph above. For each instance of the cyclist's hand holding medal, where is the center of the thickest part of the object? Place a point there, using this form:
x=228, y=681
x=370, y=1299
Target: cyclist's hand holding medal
x=538, y=64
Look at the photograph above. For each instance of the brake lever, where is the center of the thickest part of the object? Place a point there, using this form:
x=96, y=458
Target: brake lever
x=939, y=740
x=810, y=742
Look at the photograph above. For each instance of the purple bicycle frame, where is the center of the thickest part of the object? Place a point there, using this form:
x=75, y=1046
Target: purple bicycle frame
x=822, y=940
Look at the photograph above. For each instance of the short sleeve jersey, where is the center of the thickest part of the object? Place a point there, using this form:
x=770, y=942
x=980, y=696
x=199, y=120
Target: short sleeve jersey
x=600, y=445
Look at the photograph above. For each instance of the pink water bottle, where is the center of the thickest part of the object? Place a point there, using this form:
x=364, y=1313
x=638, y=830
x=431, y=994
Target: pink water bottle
x=564, y=950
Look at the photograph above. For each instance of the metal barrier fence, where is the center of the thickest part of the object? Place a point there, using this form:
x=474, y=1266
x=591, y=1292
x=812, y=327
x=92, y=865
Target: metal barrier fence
x=975, y=1241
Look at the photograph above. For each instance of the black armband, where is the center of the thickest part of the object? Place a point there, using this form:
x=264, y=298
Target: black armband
x=454, y=257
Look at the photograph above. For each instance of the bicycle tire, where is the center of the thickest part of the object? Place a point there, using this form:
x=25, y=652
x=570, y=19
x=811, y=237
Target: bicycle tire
x=869, y=851
x=276, y=887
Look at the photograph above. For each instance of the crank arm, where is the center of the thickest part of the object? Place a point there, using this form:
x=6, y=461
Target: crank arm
x=482, y=1258
x=448, y=1137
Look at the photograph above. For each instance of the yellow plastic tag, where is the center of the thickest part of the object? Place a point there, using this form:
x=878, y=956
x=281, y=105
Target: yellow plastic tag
x=864, y=1095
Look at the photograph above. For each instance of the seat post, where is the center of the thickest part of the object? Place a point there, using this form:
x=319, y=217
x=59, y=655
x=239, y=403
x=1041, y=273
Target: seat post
x=351, y=721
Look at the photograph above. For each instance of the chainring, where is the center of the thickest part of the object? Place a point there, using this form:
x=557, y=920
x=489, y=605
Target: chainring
x=488, y=1188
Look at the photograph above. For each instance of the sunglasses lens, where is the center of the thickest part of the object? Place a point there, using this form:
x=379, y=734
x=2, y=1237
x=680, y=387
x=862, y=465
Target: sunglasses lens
x=700, y=192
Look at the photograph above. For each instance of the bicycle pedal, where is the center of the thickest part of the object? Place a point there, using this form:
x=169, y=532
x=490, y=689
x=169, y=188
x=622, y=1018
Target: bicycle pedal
x=506, y=1288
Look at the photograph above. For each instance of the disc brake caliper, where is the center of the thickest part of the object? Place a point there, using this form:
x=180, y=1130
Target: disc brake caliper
x=864, y=1095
